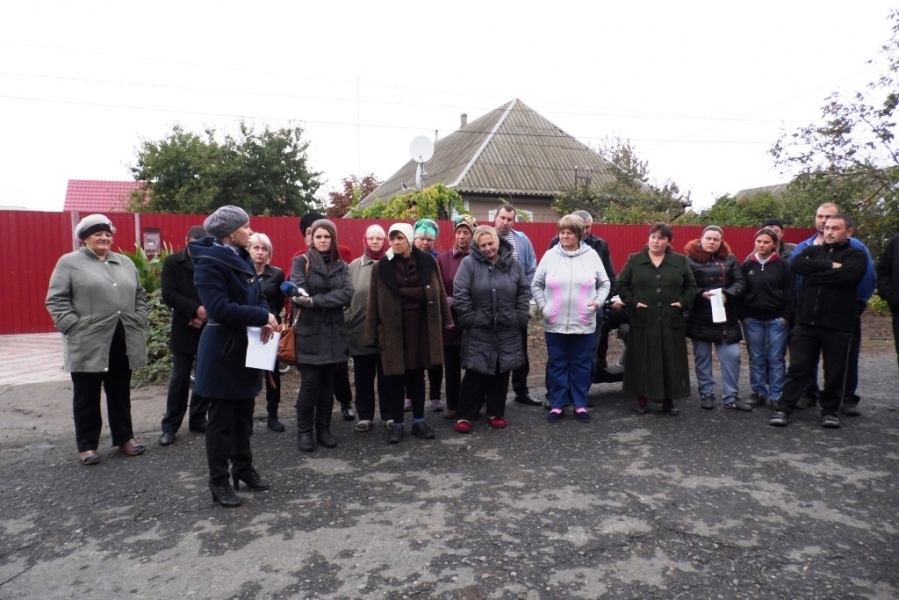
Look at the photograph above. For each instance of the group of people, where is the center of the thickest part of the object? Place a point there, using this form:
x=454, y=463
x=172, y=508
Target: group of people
x=402, y=310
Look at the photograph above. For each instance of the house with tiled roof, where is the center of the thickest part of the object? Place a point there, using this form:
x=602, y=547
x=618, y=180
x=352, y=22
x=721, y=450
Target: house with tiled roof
x=512, y=153
x=92, y=196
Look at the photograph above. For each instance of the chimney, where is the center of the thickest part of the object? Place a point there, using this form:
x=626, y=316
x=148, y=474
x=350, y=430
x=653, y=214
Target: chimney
x=464, y=120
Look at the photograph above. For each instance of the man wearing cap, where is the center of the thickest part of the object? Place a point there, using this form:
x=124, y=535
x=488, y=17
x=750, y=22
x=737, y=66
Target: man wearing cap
x=449, y=262
x=426, y=232
x=231, y=293
x=523, y=252
x=188, y=320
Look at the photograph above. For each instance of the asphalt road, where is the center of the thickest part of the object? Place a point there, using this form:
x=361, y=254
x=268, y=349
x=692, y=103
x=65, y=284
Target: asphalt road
x=710, y=504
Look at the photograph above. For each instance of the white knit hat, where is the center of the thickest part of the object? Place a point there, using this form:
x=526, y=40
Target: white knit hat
x=91, y=224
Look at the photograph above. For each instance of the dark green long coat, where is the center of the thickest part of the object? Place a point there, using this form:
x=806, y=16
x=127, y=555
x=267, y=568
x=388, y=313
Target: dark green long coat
x=656, y=360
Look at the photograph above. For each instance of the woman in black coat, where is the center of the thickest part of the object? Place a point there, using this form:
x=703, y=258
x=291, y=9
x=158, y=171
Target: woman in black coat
x=232, y=295
x=271, y=279
x=491, y=296
x=320, y=330
x=716, y=270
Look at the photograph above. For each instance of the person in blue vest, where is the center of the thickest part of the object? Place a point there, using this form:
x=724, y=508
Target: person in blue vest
x=863, y=293
x=231, y=292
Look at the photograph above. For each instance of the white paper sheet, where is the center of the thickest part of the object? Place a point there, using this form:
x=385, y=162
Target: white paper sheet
x=718, y=313
x=259, y=355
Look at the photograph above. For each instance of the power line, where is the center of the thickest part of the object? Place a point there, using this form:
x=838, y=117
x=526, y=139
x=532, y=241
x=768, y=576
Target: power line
x=343, y=123
x=635, y=115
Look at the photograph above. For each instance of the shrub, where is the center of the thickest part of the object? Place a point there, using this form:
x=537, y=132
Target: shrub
x=159, y=361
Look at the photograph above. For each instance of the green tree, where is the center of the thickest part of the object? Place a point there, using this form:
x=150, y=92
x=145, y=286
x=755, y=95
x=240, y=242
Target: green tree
x=630, y=197
x=851, y=157
x=265, y=172
x=432, y=202
x=750, y=211
x=353, y=190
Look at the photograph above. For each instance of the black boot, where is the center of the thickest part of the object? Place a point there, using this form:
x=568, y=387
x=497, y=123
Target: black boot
x=305, y=442
x=274, y=424
x=326, y=439
x=251, y=478
x=305, y=413
x=323, y=410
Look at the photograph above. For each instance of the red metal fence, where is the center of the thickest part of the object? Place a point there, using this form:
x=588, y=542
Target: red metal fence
x=31, y=243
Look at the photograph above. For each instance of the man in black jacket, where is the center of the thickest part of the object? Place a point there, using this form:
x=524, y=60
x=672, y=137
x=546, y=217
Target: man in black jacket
x=188, y=319
x=825, y=319
x=888, y=282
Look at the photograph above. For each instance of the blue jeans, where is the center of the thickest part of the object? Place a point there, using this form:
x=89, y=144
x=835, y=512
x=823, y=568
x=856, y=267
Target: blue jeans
x=728, y=358
x=569, y=358
x=766, y=342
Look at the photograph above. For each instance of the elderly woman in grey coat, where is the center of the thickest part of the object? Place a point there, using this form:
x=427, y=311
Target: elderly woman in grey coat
x=491, y=296
x=97, y=303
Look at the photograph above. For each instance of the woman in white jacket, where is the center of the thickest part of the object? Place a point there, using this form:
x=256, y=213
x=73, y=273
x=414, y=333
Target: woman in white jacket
x=570, y=287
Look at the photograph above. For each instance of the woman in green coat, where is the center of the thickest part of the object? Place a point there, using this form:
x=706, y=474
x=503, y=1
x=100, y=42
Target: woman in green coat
x=656, y=284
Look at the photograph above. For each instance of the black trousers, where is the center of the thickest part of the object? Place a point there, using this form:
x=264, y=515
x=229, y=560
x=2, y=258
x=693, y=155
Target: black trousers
x=520, y=375
x=342, y=390
x=478, y=387
x=413, y=383
x=272, y=392
x=176, y=401
x=116, y=382
x=807, y=344
x=850, y=398
x=367, y=367
x=228, y=437
x=611, y=319
x=315, y=401
x=452, y=368
x=896, y=334
x=435, y=379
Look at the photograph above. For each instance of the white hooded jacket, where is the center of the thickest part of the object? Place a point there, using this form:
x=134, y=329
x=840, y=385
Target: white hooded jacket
x=564, y=286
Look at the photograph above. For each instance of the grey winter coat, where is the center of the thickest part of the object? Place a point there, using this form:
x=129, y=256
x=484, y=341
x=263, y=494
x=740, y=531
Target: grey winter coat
x=491, y=303
x=321, y=330
x=87, y=298
x=360, y=275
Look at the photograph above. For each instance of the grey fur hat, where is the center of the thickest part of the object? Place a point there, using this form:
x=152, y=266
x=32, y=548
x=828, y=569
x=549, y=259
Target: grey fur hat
x=225, y=221
x=91, y=224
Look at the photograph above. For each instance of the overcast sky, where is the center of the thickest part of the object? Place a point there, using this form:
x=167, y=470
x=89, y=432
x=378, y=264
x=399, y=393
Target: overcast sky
x=702, y=89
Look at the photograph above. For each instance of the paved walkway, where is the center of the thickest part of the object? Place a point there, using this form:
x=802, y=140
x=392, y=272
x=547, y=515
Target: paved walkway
x=31, y=358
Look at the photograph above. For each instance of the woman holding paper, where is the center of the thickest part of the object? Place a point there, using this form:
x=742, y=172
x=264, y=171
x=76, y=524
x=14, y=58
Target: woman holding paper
x=325, y=290
x=271, y=279
x=720, y=281
x=231, y=293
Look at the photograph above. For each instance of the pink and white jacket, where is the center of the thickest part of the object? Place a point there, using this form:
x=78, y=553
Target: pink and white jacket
x=565, y=284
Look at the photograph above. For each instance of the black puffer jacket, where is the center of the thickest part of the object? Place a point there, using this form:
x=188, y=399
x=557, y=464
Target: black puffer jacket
x=712, y=271
x=491, y=302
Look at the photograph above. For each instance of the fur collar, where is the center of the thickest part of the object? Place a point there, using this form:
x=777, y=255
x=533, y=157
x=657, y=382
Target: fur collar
x=694, y=251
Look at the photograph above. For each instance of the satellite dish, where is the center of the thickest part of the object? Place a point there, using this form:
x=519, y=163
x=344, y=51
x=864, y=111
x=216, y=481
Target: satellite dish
x=421, y=149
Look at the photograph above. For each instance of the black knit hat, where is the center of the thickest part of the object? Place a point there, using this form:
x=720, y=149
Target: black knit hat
x=307, y=221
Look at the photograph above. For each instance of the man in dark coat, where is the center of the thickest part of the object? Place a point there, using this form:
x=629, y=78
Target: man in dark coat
x=188, y=320
x=232, y=295
x=888, y=282
x=825, y=319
